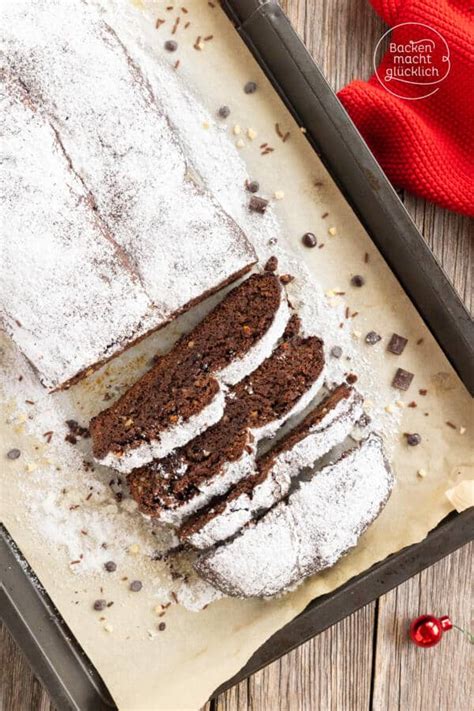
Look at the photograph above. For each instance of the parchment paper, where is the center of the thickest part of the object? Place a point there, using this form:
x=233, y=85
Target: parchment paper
x=45, y=493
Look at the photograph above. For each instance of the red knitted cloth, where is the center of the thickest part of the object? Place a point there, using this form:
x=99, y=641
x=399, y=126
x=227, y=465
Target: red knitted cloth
x=425, y=145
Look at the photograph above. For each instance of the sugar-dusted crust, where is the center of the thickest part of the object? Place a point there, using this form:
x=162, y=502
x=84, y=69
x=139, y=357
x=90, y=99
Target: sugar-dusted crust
x=63, y=277
x=168, y=235
x=183, y=393
x=328, y=424
x=173, y=488
x=307, y=532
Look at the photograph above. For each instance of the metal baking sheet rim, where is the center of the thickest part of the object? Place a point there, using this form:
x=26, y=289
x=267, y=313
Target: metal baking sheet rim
x=36, y=625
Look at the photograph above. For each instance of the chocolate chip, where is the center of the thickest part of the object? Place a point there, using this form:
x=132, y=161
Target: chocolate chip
x=252, y=186
x=372, y=338
x=13, y=454
x=309, y=240
x=271, y=265
x=258, y=204
x=413, y=439
x=136, y=585
x=100, y=605
x=110, y=566
x=357, y=280
x=250, y=87
x=162, y=626
x=223, y=112
x=286, y=278
x=397, y=344
x=402, y=379
x=171, y=46
x=336, y=351
x=364, y=420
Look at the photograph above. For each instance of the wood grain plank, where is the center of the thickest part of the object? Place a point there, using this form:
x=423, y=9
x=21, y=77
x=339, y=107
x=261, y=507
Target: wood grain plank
x=419, y=679
x=20, y=690
x=331, y=672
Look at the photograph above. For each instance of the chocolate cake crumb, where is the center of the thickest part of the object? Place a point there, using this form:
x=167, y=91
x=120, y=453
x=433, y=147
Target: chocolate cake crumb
x=13, y=454
x=171, y=45
x=110, y=566
x=162, y=626
x=397, y=344
x=423, y=391
x=309, y=240
x=336, y=351
x=258, y=204
x=372, y=337
x=100, y=605
x=271, y=265
x=351, y=378
x=136, y=585
x=402, y=379
x=224, y=112
x=357, y=280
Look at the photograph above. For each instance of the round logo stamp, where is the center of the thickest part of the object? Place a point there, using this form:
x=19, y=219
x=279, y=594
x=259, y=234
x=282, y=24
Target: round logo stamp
x=415, y=63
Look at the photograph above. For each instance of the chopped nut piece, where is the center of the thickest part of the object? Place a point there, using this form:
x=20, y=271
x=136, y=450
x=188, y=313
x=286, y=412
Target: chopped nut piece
x=251, y=133
x=421, y=473
x=332, y=231
x=237, y=130
x=278, y=194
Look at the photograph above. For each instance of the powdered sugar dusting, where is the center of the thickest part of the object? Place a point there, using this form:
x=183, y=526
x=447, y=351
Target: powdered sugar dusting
x=72, y=281
x=333, y=428
x=171, y=232
x=309, y=532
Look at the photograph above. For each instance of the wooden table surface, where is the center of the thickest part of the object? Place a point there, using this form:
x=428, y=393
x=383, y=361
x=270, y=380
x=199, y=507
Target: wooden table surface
x=365, y=661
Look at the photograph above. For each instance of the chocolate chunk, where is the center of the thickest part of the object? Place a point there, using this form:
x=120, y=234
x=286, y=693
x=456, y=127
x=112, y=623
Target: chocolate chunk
x=110, y=566
x=252, y=186
x=250, y=87
x=258, y=204
x=336, y=351
x=271, y=265
x=372, y=338
x=100, y=605
x=13, y=454
x=136, y=585
x=223, y=112
x=162, y=626
x=413, y=439
x=402, y=379
x=309, y=239
x=171, y=46
x=357, y=280
x=397, y=344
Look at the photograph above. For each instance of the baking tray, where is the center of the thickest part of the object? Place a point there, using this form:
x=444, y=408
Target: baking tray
x=51, y=649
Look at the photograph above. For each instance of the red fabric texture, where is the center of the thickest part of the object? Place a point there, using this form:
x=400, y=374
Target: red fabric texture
x=426, y=145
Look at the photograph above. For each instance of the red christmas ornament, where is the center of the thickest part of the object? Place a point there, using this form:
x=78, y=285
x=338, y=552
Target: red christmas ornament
x=427, y=630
